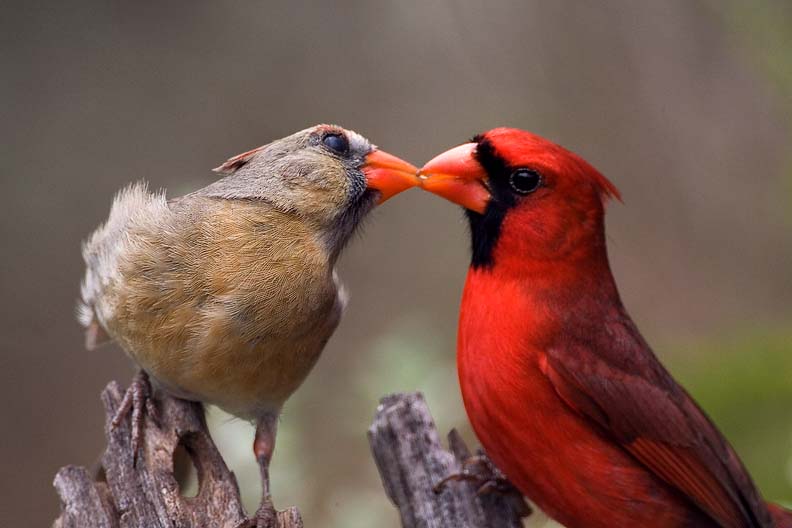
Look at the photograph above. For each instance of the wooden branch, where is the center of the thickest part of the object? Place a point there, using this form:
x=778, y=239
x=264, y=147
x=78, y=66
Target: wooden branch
x=411, y=461
x=146, y=494
x=85, y=502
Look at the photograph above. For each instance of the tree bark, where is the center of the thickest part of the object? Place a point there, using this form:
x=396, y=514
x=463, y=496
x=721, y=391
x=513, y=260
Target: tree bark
x=145, y=493
x=411, y=462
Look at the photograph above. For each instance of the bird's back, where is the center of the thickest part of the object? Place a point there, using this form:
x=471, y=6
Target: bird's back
x=134, y=209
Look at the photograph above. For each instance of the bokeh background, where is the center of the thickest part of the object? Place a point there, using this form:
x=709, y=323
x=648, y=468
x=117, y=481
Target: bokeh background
x=685, y=105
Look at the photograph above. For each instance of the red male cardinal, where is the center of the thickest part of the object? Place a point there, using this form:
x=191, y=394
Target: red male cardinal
x=561, y=389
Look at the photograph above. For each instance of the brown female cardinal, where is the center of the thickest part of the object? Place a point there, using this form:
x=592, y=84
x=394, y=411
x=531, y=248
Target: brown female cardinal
x=561, y=389
x=228, y=295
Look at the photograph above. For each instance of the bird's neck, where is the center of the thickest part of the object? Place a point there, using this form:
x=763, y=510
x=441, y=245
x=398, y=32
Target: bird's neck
x=337, y=233
x=533, y=301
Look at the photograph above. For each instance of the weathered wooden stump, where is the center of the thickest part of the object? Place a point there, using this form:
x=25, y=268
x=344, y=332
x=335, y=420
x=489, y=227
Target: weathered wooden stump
x=411, y=461
x=146, y=494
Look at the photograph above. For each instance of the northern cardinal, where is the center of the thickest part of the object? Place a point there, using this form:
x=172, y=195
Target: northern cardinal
x=563, y=392
x=228, y=294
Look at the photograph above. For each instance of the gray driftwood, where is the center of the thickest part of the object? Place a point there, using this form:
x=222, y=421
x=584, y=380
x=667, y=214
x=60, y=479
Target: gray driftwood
x=146, y=494
x=411, y=461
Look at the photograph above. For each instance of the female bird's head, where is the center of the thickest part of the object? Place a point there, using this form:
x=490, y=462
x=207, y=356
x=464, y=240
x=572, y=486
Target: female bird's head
x=525, y=197
x=326, y=174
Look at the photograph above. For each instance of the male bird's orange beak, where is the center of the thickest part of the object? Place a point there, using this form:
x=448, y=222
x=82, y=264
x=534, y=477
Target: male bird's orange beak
x=388, y=174
x=457, y=176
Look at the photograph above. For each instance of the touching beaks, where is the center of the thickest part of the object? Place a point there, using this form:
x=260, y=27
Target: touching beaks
x=457, y=176
x=388, y=174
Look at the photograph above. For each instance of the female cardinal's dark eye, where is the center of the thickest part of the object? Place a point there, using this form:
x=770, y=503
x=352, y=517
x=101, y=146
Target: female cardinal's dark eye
x=338, y=143
x=525, y=181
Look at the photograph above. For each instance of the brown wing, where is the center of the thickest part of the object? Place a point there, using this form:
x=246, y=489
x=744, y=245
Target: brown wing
x=618, y=383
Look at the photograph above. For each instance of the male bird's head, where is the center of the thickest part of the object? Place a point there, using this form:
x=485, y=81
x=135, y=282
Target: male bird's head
x=525, y=197
x=326, y=174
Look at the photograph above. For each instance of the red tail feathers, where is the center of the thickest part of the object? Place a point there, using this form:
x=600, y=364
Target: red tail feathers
x=782, y=517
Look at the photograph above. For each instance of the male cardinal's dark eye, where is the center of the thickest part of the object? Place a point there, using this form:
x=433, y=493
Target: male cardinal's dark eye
x=525, y=181
x=338, y=143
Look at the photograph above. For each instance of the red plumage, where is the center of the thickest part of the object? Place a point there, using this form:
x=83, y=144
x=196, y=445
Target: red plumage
x=563, y=392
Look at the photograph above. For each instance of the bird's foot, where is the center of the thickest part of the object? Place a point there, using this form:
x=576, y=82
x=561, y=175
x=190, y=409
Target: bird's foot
x=480, y=470
x=266, y=517
x=137, y=400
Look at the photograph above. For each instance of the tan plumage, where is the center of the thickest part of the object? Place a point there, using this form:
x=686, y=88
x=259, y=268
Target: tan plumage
x=231, y=304
x=228, y=295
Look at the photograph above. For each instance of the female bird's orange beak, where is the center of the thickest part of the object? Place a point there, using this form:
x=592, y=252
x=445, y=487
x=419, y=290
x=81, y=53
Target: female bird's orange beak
x=388, y=174
x=457, y=176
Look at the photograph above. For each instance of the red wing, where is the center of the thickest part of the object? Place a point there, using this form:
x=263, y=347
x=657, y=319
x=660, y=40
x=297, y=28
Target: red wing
x=654, y=419
x=683, y=468
x=781, y=516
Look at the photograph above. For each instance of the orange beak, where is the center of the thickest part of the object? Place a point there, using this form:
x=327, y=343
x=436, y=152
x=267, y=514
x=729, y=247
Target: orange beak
x=388, y=174
x=457, y=176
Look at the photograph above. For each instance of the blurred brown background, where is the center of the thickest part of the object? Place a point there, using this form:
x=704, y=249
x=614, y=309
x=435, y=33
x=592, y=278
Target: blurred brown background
x=685, y=105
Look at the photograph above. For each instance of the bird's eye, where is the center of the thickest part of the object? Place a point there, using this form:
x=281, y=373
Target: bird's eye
x=525, y=181
x=338, y=143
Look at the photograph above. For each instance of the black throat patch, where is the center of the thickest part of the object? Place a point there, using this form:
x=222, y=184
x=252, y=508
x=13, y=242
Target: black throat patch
x=485, y=228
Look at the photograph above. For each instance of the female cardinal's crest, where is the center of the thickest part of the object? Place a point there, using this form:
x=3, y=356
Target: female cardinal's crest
x=237, y=162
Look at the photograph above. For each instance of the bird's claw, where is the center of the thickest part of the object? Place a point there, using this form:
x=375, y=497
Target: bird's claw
x=137, y=399
x=487, y=476
x=265, y=517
